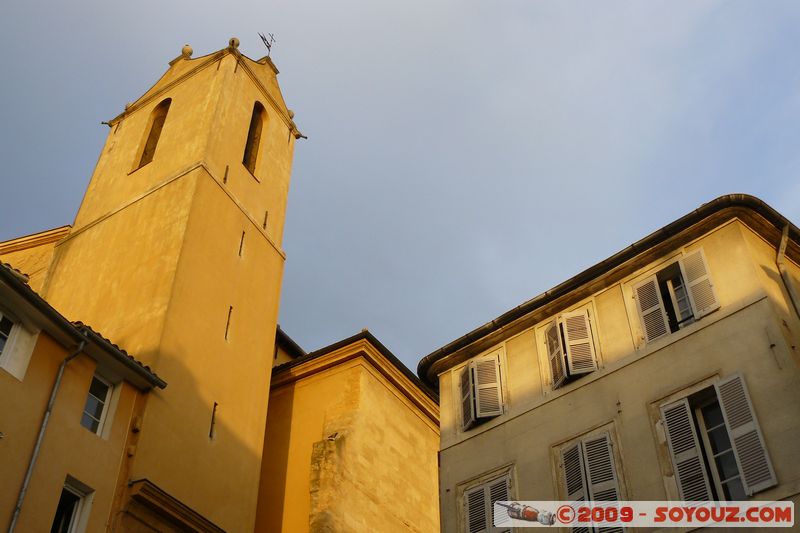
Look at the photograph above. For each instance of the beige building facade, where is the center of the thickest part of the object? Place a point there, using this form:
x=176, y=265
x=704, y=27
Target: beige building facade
x=669, y=371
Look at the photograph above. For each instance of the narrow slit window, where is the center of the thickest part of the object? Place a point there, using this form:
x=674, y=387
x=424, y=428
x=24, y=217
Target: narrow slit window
x=157, y=119
x=241, y=245
x=212, y=430
x=254, y=138
x=228, y=323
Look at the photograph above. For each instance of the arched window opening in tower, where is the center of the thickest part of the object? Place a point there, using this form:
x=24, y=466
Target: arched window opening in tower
x=254, y=138
x=157, y=118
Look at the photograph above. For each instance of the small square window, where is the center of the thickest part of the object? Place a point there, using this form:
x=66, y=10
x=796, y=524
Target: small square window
x=570, y=347
x=675, y=296
x=481, y=390
x=590, y=472
x=96, y=408
x=479, y=503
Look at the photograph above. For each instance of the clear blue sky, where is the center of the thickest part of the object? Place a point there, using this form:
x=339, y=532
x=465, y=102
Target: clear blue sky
x=463, y=156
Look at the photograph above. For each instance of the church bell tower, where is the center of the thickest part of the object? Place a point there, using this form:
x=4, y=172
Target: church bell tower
x=176, y=255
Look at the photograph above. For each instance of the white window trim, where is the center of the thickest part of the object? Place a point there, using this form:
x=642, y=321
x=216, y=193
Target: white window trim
x=702, y=434
x=80, y=519
x=103, y=425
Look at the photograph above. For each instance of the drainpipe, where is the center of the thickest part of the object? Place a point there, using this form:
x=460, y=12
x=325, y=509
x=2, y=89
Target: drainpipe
x=787, y=281
x=40, y=438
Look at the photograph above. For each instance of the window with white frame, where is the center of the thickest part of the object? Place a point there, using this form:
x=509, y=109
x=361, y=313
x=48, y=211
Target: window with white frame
x=16, y=345
x=589, y=473
x=96, y=409
x=72, y=512
x=479, y=503
x=675, y=296
x=481, y=390
x=570, y=346
x=715, y=444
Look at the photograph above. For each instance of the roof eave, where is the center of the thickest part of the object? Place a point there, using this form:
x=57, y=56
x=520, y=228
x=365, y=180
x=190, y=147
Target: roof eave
x=384, y=351
x=729, y=201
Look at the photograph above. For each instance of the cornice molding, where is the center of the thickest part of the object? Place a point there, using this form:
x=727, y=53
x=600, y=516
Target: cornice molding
x=205, y=62
x=159, y=501
x=35, y=239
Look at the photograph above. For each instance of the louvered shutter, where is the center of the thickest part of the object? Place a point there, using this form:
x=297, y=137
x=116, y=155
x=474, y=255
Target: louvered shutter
x=467, y=398
x=555, y=354
x=684, y=448
x=488, y=394
x=601, y=474
x=475, y=515
x=651, y=309
x=574, y=477
x=580, y=345
x=499, y=491
x=748, y=442
x=701, y=290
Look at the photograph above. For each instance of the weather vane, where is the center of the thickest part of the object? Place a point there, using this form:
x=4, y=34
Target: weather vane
x=267, y=42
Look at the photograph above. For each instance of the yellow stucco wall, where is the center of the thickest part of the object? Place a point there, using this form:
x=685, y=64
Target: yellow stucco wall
x=752, y=332
x=157, y=261
x=345, y=450
x=32, y=254
x=68, y=447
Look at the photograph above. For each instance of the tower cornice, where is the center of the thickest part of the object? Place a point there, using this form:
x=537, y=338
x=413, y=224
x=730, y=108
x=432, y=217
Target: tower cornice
x=156, y=91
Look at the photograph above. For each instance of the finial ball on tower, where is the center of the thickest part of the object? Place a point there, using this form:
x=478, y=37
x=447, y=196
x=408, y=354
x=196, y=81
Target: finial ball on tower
x=234, y=42
x=186, y=51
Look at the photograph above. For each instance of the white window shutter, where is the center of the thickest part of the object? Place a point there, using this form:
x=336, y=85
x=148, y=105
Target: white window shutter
x=651, y=309
x=475, y=516
x=555, y=354
x=748, y=442
x=488, y=392
x=600, y=470
x=581, y=355
x=574, y=473
x=684, y=448
x=701, y=290
x=499, y=491
x=18, y=350
x=467, y=398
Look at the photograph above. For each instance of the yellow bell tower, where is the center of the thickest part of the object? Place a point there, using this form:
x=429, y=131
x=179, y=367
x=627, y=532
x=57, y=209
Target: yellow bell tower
x=176, y=255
